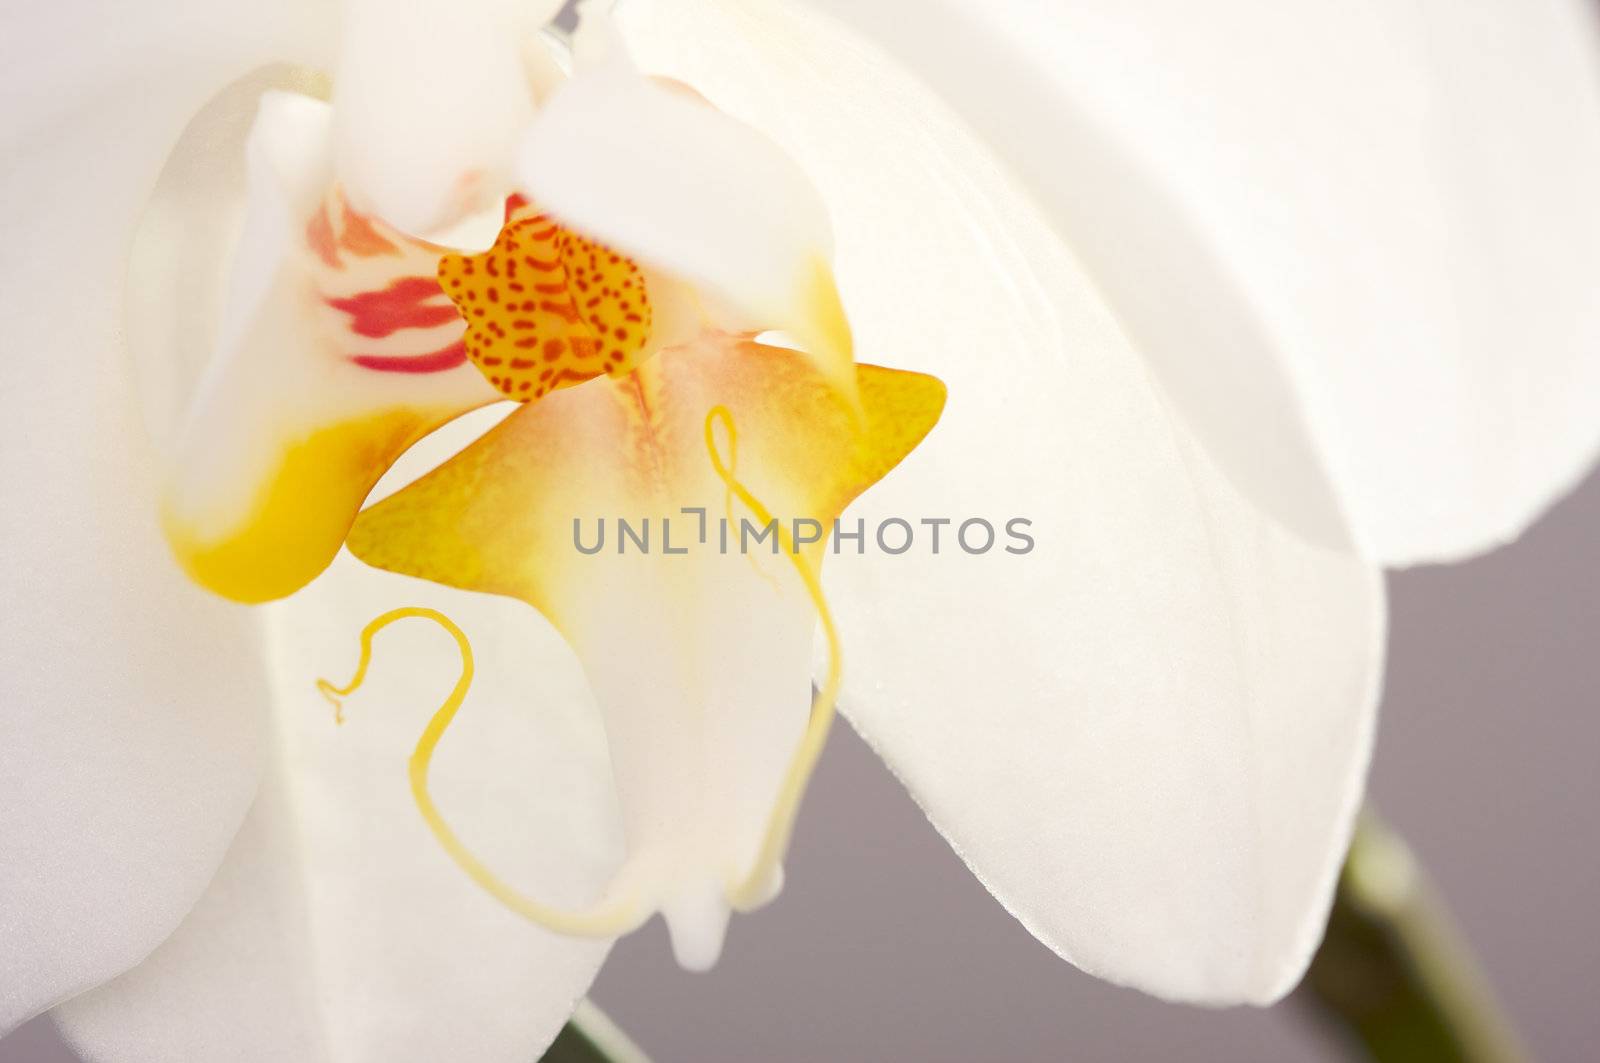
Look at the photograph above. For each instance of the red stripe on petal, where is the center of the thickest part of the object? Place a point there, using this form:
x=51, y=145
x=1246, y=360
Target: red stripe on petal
x=437, y=362
x=402, y=305
x=320, y=238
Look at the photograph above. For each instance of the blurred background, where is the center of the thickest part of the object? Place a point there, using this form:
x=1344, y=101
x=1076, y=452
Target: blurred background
x=884, y=947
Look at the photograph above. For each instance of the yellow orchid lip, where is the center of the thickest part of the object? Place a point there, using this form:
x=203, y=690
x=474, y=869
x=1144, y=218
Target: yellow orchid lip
x=620, y=909
x=722, y=425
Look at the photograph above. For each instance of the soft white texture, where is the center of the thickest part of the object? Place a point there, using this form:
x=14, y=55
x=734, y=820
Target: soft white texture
x=699, y=665
x=157, y=63
x=1149, y=735
x=131, y=702
x=429, y=97
x=1358, y=243
x=655, y=173
x=185, y=246
x=338, y=931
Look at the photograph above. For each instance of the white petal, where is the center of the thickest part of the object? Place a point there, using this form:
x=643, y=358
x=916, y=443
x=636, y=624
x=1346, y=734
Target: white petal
x=662, y=177
x=67, y=57
x=334, y=350
x=703, y=712
x=184, y=245
x=1148, y=735
x=1357, y=244
x=338, y=930
x=130, y=706
x=430, y=96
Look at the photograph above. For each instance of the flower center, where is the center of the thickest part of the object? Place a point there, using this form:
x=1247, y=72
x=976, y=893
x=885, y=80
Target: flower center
x=546, y=308
x=344, y=338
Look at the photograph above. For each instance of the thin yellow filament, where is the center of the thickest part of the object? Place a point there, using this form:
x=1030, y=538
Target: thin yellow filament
x=606, y=919
x=728, y=494
x=751, y=890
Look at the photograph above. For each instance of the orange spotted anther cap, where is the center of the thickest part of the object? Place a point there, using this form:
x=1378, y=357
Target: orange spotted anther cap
x=546, y=308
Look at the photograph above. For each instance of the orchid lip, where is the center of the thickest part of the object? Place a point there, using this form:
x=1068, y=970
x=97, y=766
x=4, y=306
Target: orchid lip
x=698, y=663
x=696, y=913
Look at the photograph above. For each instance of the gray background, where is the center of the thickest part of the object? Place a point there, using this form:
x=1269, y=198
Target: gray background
x=883, y=946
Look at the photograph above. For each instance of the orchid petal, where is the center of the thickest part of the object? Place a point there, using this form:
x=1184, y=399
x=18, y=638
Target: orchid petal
x=1357, y=246
x=335, y=921
x=131, y=706
x=130, y=710
x=176, y=52
x=430, y=96
x=697, y=646
x=1148, y=734
x=336, y=350
x=665, y=179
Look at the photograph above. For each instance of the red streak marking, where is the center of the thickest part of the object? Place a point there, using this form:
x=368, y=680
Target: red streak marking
x=402, y=305
x=362, y=238
x=319, y=237
x=437, y=362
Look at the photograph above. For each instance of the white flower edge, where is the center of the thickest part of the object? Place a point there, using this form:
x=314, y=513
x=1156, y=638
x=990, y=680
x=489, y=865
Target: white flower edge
x=1358, y=248
x=1149, y=736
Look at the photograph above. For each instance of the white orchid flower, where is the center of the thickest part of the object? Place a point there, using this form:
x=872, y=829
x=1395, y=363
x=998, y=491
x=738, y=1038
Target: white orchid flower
x=1236, y=305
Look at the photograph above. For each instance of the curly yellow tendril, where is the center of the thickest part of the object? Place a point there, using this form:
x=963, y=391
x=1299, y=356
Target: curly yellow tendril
x=606, y=919
x=725, y=470
x=753, y=888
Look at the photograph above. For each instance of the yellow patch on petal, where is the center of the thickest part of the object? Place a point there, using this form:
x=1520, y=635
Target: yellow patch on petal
x=824, y=330
x=351, y=356
x=499, y=516
x=546, y=308
x=301, y=512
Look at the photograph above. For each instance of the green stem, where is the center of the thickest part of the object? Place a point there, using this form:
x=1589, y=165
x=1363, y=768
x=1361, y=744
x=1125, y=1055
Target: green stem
x=1394, y=971
x=591, y=1037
